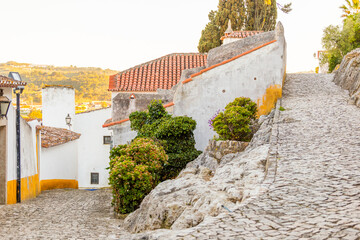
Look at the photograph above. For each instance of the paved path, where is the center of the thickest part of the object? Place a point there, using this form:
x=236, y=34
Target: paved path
x=61, y=214
x=316, y=193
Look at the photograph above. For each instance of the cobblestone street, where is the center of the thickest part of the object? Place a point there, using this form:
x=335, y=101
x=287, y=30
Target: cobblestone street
x=314, y=191
x=61, y=214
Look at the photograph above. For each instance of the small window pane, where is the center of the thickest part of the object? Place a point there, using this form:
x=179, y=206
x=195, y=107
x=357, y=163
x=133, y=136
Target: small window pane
x=107, y=140
x=94, y=178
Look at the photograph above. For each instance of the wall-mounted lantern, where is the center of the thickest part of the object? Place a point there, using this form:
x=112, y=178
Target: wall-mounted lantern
x=4, y=105
x=68, y=120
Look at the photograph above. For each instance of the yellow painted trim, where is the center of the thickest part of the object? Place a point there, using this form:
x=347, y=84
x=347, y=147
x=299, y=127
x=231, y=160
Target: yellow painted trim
x=267, y=102
x=30, y=188
x=58, y=184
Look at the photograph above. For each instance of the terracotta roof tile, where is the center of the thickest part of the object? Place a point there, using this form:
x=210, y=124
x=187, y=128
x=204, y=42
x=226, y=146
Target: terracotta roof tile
x=163, y=73
x=240, y=34
x=51, y=136
x=8, y=82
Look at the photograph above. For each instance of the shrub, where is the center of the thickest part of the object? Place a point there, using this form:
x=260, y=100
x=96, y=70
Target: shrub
x=134, y=171
x=235, y=122
x=175, y=134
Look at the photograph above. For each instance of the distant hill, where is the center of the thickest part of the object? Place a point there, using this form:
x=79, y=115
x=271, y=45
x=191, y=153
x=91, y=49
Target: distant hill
x=90, y=83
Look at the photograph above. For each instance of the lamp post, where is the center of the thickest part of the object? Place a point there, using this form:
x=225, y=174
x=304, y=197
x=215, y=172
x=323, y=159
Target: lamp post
x=18, y=90
x=4, y=105
x=68, y=120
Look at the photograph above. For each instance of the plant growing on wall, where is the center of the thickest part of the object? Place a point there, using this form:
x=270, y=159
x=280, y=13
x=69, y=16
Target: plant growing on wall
x=235, y=122
x=134, y=171
x=175, y=134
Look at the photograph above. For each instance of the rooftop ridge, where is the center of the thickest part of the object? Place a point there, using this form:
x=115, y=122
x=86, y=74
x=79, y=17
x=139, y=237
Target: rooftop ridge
x=159, y=58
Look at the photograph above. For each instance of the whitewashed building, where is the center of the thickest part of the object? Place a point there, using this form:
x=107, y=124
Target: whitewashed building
x=29, y=151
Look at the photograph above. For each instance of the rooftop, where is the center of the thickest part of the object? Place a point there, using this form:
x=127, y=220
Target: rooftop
x=9, y=82
x=161, y=73
x=51, y=136
x=240, y=34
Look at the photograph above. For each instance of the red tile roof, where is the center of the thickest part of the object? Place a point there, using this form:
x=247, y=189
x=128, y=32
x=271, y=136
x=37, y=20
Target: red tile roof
x=161, y=73
x=51, y=136
x=240, y=34
x=8, y=82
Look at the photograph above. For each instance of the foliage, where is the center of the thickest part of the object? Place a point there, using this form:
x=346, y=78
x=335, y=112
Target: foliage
x=234, y=123
x=259, y=15
x=352, y=8
x=90, y=83
x=281, y=108
x=210, y=36
x=175, y=134
x=134, y=172
x=339, y=41
x=35, y=114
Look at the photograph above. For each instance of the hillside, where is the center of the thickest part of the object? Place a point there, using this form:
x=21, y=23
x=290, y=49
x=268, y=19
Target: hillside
x=90, y=83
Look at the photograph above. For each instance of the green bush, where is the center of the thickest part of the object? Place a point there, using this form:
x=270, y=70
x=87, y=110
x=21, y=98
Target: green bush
x=235, y=122
x=134, y=171
x=175, y=134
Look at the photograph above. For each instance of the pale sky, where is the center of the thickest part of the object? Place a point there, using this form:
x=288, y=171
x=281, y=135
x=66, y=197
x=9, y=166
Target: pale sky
x=119, y=34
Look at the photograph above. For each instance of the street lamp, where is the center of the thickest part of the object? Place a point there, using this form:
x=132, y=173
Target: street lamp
x=68, y=120
x=18, y=90
x=4, y=104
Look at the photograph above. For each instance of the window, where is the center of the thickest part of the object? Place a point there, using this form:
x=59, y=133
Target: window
x=94, y=178
x=107, y=140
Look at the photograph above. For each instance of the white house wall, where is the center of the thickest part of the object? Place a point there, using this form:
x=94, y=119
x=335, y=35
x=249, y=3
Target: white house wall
x=57, y=103
x=93, y=153
x=248, y=76
x=59, y=166
x=29, y=165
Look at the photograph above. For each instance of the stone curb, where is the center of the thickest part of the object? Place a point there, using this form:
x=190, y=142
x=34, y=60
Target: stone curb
x=271, y=161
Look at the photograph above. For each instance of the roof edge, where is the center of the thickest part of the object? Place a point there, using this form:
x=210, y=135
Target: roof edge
x=226, y=61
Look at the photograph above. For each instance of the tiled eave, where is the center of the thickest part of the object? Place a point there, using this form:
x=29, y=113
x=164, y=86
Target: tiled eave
x=8, y=82
x=51, y=136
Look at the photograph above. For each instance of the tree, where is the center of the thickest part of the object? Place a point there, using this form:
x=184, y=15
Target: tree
x=210, y=36
x=256, y=15
x=260, y=16
x=352, y=8
x=339, y=41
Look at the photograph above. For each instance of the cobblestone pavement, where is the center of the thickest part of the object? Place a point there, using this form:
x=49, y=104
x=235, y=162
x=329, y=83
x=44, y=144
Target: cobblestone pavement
x=61, y=214
x=316, y=192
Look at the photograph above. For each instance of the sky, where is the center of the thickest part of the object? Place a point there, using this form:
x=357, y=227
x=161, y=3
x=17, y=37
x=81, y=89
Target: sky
x=119, y=34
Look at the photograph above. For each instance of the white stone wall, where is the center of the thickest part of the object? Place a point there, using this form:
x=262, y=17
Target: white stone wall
x=230, y=40
x=122, y=133
x=214, y=89
x=60, y=162
x=27, y=145
x=93, y=153
x=57, y=103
